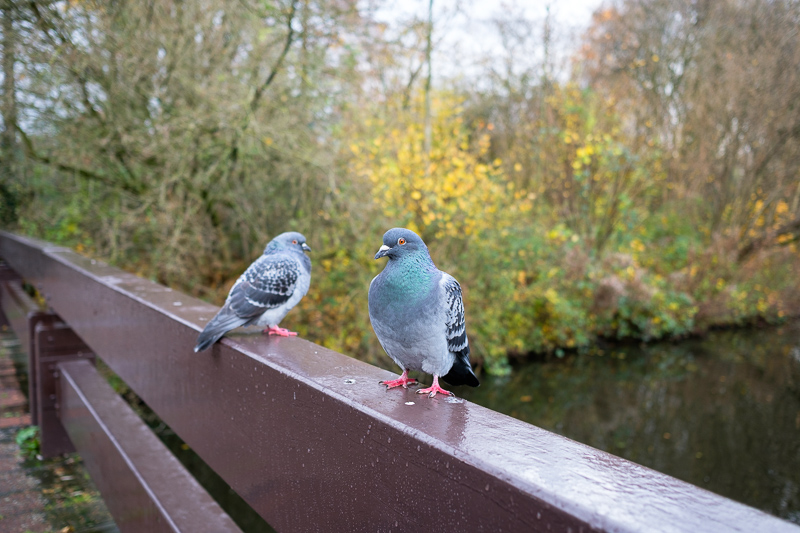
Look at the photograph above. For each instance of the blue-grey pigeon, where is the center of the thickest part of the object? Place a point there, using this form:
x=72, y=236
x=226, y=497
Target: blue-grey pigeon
x=417, y=313
x=267, y=290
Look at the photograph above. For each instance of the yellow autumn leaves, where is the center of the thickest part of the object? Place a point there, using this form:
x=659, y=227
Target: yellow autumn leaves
x=454, y=190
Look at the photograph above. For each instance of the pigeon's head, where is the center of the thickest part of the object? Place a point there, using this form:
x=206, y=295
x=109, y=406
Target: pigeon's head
x=291, y=240
x=398, y=242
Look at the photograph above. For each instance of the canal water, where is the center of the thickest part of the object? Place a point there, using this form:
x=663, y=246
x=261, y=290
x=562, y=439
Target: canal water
x=721, y=412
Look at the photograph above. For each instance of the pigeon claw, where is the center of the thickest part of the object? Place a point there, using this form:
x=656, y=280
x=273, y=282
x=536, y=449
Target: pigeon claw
x=402, y=381
x=399, y=382
x=282, y=332
x=434, y=389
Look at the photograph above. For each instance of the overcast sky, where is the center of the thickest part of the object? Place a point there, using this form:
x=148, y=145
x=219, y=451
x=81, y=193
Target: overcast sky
x=466, y=33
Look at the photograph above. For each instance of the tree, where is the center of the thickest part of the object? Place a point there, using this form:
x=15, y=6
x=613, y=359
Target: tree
x=8, y=142
x=198, y=131
x=715, y=84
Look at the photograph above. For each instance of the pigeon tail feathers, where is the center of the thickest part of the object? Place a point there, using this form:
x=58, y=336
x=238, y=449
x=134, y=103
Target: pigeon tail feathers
x=217, y=327
x=461, y=373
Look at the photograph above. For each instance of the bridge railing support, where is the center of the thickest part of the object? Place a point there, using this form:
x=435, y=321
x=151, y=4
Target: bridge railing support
x=142, y=483
x=311, y=441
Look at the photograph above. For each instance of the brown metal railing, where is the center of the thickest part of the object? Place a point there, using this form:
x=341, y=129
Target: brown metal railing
x=307, y=436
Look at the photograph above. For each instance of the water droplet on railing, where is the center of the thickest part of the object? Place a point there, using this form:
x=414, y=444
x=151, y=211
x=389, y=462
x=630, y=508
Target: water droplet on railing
x=177, y=304
x=409, y=403
x=349, y=381
x=453, y=399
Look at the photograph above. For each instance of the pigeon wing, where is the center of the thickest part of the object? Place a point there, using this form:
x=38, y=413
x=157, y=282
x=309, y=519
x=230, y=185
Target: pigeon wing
x=266, y=284
x=456, y=323
x=461, y=373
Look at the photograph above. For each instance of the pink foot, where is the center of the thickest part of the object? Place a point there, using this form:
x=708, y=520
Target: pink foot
x=433, y=389
x=403, y=381
x=283, y=332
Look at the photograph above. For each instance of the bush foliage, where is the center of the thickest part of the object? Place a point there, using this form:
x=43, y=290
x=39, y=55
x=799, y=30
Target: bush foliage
x=623, y=202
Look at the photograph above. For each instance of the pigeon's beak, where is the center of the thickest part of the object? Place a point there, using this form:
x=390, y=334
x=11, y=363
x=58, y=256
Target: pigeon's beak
x=382, y=251
x=305, y=247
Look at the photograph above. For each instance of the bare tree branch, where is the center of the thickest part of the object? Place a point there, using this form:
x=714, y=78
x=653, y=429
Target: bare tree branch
x=31, y=152
x=286, y=46
x=790, y=228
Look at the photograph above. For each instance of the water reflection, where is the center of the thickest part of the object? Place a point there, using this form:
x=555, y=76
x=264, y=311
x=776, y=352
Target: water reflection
x=722, y=412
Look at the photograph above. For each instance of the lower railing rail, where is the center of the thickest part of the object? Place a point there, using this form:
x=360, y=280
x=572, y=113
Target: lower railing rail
x=142, y=483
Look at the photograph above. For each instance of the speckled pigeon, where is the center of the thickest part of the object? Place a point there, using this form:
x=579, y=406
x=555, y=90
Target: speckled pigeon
x=417, y=313
x=267, y=290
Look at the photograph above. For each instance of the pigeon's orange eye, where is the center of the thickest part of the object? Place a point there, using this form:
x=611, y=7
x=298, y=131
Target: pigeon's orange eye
x=401, y=241
x=294, y=241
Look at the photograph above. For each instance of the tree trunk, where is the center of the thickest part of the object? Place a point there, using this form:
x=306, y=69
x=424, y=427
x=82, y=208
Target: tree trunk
x=9, y=139
x=428, y=133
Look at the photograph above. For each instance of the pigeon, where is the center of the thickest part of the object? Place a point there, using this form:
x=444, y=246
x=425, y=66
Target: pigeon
x=267, y=290
x=417, y=313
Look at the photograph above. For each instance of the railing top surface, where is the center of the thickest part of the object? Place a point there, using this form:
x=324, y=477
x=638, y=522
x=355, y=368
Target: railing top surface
x=345, y=423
